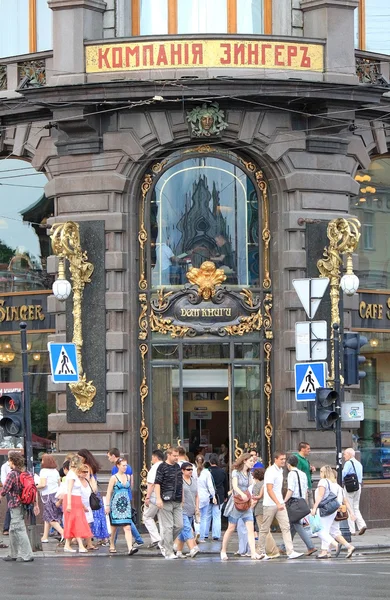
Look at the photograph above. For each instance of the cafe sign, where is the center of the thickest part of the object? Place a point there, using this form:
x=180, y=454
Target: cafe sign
x=373, y=312
x=207, y=307
x=216, y=53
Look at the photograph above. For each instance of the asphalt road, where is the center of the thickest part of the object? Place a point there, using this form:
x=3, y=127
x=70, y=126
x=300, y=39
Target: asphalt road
x=203, y=578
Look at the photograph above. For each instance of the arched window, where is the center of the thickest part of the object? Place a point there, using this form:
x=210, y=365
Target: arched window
x=152, y=17
x=204, y=208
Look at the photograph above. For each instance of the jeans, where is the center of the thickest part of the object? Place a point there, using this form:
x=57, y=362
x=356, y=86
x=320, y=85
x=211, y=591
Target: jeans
x=214, y=512
x=187, y=531
x=303, y=534
x=204, y=522
x=7, y=518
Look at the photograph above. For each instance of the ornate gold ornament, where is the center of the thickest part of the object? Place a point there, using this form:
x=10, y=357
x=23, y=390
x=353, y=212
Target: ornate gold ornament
x=207, y=120
x=144, y=431
x=65, y=241
x=237, y=450
x=206, y=278
x=343, y=235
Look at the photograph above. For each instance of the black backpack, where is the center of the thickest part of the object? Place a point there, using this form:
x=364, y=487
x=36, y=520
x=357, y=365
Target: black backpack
x=351, y=482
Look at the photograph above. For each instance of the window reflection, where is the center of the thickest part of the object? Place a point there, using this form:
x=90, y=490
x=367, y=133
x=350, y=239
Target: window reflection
x=372, y=207
x=204, y=209
x=154, y=17
x=250, y=16
x=202, y=16
x=24, y=243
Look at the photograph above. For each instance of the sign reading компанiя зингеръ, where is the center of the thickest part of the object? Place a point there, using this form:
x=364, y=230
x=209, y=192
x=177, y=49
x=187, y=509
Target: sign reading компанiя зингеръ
x=186, y=54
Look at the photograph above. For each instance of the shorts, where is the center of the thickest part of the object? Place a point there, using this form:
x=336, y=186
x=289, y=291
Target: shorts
x=246, y=517
x=187, y=532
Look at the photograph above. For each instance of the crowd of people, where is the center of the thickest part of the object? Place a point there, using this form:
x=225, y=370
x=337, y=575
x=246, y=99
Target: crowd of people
x=188, y=501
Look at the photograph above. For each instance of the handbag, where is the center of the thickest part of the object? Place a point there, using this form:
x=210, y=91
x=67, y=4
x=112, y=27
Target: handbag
x=94, y=500
x=351, y=481
x=342, y=513
x=241, y=504
x=297, y=508
x=329, y=505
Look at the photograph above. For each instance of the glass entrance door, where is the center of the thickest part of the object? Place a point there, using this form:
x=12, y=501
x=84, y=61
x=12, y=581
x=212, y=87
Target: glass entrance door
x=207, y=396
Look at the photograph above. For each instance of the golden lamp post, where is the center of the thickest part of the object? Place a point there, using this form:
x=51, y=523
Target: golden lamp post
x=65, y=241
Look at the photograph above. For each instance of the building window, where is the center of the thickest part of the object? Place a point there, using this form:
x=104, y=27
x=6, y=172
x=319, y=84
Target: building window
x=153, y=17
x=372, y=207
x=25, y=26
x=204, y=209
x=372, y=26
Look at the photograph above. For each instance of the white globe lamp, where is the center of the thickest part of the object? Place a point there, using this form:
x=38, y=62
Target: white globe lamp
x=61, y=287
x=349, y=282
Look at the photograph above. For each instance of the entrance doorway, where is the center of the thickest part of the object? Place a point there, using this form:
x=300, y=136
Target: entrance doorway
x=208, y=395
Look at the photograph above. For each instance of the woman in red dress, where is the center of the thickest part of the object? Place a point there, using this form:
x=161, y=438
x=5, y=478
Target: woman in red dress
x=75, y=521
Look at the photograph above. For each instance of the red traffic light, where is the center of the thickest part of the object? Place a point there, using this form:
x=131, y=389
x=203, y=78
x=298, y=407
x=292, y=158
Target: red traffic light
x=11, y=406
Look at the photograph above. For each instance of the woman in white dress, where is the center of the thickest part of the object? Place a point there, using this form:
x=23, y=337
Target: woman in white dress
x=83, y=474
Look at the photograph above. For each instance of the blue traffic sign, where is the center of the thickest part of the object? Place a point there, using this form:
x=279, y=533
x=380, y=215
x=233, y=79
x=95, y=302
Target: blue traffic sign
x=63, y=362
x=309, y=377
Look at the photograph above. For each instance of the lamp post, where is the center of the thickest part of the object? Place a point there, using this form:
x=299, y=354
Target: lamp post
x=65, y=241
x=343, y=235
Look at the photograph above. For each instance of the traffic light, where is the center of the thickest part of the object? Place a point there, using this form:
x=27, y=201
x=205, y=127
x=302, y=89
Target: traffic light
x=352, y=343
x=12, y=409
x=326, y=416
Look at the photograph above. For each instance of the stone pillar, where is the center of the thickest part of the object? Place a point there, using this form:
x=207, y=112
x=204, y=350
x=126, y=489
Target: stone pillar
x=333, y=21
x=74, y=21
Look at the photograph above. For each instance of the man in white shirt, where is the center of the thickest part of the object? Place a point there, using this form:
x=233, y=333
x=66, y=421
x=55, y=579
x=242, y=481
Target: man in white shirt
x=353, y=467
x=151, y=510
x=5, y=469
x=273, y=506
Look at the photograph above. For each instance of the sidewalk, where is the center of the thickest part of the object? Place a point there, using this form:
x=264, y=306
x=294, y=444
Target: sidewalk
x=372, y=542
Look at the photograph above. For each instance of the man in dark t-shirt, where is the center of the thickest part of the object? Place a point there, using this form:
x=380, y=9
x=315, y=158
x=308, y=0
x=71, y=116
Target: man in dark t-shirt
x=168, y=487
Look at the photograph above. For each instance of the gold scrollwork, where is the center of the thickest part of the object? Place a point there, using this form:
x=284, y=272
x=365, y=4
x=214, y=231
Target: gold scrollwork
x=268, y=429
x=237, y=450
x=143, y=320
x=207, y=277
x=144, y=431
x=65, y=241
x=246, y=324
x=165, y=326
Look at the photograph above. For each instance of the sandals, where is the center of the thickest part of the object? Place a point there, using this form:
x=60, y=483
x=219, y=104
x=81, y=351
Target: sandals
x=338, y=550
x=323, y=556
x=112, y=551
x=257, y=556
x=224, y=556
x=351, y=550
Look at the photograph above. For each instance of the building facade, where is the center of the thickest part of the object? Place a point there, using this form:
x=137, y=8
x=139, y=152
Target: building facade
x=209, y=146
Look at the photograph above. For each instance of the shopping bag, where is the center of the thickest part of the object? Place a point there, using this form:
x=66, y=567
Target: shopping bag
x=315, y=523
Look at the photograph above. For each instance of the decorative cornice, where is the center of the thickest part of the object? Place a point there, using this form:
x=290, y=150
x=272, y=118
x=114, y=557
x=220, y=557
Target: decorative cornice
x=98, y=5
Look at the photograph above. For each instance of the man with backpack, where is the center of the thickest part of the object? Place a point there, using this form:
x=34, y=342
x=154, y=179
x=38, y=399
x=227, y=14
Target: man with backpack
x=21, y=493
x=352, y=480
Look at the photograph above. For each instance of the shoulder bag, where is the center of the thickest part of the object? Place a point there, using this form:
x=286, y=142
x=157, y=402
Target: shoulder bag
x=329, y=505
x=94, y=500
x=241, y=504
x=351, y=481
x=297, y=508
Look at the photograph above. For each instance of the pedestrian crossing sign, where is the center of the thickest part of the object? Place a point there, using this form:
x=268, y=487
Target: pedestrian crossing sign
x=309, y=377
x=63, y=362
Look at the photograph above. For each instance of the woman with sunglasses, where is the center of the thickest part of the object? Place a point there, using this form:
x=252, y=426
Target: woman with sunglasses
x=75, y=522
x=190, y=510
x=118, y=506
x=83, y=474
x=99, y=525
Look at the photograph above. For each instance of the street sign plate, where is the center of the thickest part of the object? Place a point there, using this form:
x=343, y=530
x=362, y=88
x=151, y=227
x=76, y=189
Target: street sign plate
x=310, y=340
x=352, y=411
x=309, y=377
x=310, y=292
x=63, y=363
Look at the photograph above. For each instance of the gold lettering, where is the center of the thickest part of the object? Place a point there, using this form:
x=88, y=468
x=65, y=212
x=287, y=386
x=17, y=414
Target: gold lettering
x=24, y=312
x=362, y=307
x=3, y=312
x=38, y=313
x=380, y=311
x=14, y=313
x=31, y=311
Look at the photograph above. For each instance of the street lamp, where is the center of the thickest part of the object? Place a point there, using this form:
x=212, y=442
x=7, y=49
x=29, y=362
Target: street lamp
x=349, y=282
x=65, y=241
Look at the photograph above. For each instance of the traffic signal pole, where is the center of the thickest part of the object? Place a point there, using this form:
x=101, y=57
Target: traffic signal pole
x=28, y=449
x=337, y=389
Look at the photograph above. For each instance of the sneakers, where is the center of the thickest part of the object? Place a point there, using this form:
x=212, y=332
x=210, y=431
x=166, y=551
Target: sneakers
x=162, y=549
x=277, y=555
x=152, y=545
x=295, y=555
x=193, y=552
x=170, y=556
x=24, y=559
x=8, y=558
x=138, y=544
x=180, y=554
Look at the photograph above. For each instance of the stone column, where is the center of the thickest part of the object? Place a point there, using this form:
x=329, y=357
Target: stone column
x=333, y=21
x=74, y=21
